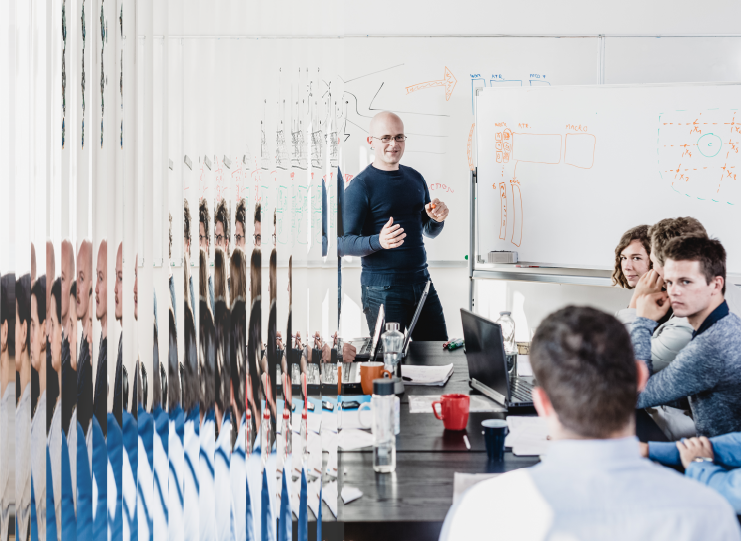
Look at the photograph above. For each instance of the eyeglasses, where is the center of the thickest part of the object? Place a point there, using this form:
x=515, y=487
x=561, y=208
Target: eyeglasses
x=387, y=138
x=203, y=238
x=258, y=238
x=219, y=238
x=238, y=238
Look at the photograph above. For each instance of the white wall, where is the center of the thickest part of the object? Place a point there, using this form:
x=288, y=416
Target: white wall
x=544, y=17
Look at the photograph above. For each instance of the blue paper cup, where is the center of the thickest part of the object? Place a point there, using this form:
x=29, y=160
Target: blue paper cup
x=495, y=431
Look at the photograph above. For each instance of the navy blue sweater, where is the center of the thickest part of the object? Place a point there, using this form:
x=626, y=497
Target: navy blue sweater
x=369, y=201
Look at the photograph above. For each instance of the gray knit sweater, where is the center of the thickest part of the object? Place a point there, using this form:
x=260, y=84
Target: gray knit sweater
x=707, y=371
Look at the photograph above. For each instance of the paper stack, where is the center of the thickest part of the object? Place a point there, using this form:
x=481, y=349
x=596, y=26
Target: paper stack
x=426, y=375
x=528, y=436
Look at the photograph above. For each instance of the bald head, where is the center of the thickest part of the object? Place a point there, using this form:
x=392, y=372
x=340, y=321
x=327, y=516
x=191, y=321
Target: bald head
x=84, y=279
x=117, y=290
x=68, y=275
x=101, y=286
x=386, y=155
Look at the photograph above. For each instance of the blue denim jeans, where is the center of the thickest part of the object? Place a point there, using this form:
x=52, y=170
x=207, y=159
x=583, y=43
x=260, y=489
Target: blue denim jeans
x=399, y=304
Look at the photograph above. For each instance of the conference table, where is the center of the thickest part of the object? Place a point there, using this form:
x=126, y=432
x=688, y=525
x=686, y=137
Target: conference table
x=412, y=502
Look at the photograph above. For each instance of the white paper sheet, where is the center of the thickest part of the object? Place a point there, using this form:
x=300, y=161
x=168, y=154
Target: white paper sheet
x=352, y=439
x=427, y=375
x=357, y=418
x=329, y=421
x=329, y=495
x=423, y=404
x=528, y=436
x=350, y=494
x=314, y=422
x=312, y=495
x=523, y=366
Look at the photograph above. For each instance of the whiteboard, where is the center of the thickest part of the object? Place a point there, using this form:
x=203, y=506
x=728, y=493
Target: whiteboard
x=439, y=119
x=578, y=166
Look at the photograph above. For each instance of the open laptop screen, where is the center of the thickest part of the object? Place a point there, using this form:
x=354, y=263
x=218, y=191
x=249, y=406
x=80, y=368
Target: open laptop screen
x=377, y=333
x=485, y=352
x=417, y=312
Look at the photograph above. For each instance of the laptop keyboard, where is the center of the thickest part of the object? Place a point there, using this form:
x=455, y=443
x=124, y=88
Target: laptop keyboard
x=366, y=349
x=520, y=391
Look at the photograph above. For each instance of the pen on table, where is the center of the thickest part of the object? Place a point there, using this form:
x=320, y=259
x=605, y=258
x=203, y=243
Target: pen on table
x=465, y=440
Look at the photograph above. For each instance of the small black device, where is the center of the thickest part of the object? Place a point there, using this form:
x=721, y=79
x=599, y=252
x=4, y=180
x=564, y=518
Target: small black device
x=352, y=404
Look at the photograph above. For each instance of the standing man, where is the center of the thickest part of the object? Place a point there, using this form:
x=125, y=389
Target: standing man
x=100, y=396
x=387, y=210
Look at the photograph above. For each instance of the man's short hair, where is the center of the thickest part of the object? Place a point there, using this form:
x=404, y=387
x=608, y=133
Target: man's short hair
x=7, y=308
x=186, y=220
x=583, y=359
x=669, y=228
x=56, y=293
x=241, y=214
x=709, y=252
x=203, y=215
x=258, y=213
x=39, y=291
x=222, y=215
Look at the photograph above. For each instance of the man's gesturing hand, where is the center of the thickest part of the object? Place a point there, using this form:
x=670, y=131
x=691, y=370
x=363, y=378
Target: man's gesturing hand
x=437, y=210
x=391, y=236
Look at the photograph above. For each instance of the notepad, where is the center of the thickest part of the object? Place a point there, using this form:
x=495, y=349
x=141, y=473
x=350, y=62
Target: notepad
x=426, y=375
x=528, y=436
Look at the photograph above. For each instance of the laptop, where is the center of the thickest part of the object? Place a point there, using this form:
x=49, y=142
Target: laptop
x=408, y=332
x=487, y=364
x=369, y=349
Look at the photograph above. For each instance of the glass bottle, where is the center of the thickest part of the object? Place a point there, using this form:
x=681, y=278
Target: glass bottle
x=393, y=341
x=508, y=336
x=383, y=404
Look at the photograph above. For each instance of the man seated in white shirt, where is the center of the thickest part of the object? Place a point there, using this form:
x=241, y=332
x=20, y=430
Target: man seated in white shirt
x=593, y=483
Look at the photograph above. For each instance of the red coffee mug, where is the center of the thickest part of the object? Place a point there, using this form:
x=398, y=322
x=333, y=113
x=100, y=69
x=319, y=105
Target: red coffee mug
x=453, y=410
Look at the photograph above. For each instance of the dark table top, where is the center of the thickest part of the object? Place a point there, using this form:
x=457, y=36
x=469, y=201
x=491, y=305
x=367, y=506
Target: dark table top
x=423, y=432
x=412, y=502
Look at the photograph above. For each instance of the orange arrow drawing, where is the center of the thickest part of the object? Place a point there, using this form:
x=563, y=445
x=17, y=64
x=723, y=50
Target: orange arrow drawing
x=448, y=81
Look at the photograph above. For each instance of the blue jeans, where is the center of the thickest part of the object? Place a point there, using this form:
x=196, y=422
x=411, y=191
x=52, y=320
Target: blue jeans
x=399, y=304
